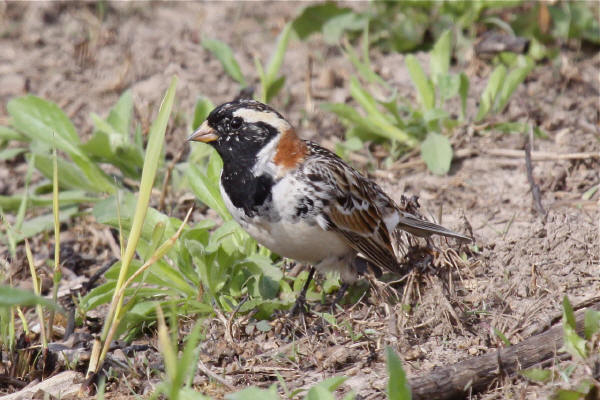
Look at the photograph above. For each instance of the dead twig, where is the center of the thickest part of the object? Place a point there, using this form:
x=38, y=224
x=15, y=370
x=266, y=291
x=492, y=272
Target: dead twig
x=541, y=155
x=535, y=189
x=206, y=371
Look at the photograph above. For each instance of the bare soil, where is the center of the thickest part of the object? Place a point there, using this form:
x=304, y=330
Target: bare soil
x=514, y=283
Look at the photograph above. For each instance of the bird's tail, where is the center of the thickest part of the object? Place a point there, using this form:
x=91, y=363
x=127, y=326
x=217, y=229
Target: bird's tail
x=423, y=228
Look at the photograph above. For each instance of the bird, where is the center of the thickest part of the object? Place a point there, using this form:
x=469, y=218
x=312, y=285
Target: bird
x=302, y=201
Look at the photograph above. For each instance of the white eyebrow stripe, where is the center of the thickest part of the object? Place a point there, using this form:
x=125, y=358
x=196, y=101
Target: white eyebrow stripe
x=268, y=117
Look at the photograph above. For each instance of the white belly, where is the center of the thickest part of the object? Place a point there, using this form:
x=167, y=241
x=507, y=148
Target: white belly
x=299, y=241
x=288, y=237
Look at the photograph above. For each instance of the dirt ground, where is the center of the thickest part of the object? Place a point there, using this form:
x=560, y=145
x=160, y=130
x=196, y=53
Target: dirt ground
x=515, y=283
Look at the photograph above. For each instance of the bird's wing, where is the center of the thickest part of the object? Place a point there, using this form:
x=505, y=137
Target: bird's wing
x=366, y=217
x=356, y=208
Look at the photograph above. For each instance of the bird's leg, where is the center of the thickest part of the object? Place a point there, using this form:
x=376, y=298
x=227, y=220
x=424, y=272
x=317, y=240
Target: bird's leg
x=300, y=304
x=339, y=296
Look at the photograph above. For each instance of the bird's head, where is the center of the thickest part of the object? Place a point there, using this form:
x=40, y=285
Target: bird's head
x=244, y=130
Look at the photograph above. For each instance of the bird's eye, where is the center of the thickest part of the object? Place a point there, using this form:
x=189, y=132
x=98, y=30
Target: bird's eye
x=236, y=122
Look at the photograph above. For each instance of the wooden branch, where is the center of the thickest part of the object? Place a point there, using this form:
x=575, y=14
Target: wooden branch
x=476, y=374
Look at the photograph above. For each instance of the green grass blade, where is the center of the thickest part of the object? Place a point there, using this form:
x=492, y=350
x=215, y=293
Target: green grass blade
x=262, y=78
x=591, y=323
x=120, y=115
x=490, y=93
x=439, y=61
x=397, y=388
x=151, y=161
x=514, y=78
x=378, y=121
x=421, y=82
x=24, y=199
x=463, y=91
x=277, y=59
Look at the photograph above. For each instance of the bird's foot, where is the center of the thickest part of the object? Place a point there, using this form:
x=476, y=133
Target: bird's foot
x=338, y=297
x=300, y=306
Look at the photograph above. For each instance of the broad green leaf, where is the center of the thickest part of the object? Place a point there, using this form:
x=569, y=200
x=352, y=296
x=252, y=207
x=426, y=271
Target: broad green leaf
x=39, y=118
x=348, y=113
x=335, y=27
x=363, y=66
x=587, y=195
x=254, y=393
x=331, y=384
x=397, y=388
x=319, y=393
x=565, y=394
x=7, y=133
x=448, y=86
x=43, y=121
x=568, y=314
x=267, y=287
x=11, y=297
x=513, y=80
x=591, y=323
x=439, y=61
x=105, y=127
x=104, y=212
x=66, y=198
x=173, y=278
x=207, y=191
x=264, y=266
x=229, y=228
x=491, y=91
x=364, y=98
x=436, y=151
x=377, y=122
x=274, y=88
x=408, y=31
x=312, y=18
x=120, y=115
x=435, y=115
x=422, y=84
x=104, y=293
x=502, y=337
x=573, y=343
x=537, y=374
x=9, y=154
x=70, y=176
x=203, y=107
x=115, y=149
x=225, y=55
x=43, y=223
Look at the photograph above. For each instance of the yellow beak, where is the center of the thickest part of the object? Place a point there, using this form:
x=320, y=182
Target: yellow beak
x=204, y=134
